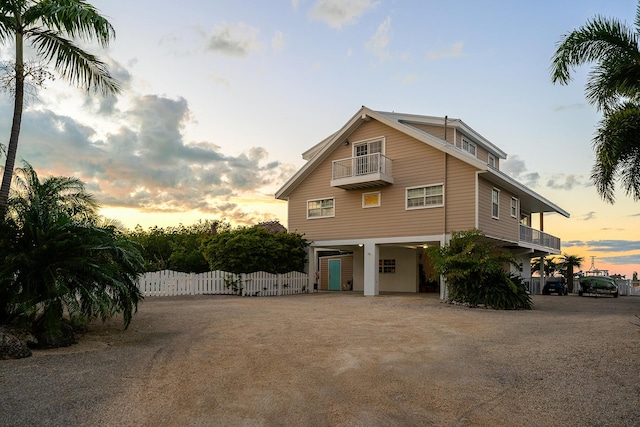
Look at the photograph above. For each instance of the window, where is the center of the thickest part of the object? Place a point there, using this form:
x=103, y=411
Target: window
x=491, y=161
x=387, y=266
x=425, y=197
x=320, y=208
x=514, y=207
x=468, y=146
x=367, y=156
x=371, y=200
x=367, y=147
x=495, y=203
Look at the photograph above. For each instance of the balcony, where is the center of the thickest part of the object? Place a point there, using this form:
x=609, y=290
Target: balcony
x=539, y=239
x=371, y=170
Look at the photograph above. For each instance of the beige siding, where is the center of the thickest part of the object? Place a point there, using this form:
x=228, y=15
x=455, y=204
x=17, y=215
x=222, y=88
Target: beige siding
x=460, y=195
x=405, y=278
x=414, y=163
x=506, y=227
x=437, y=131
x=346, y=271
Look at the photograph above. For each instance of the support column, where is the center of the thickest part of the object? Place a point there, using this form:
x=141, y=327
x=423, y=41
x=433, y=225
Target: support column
x=371, y=274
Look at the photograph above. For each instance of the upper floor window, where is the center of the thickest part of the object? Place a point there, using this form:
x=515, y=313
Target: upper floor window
x=514, y=207
x=491, y=161
x=429, y=196
x=371, y=200
x=371, y=146
x=495, y=203
x=321, y=208
x=468, y=146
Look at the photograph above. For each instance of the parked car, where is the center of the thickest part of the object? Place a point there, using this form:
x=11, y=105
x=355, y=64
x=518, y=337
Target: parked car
x=555, y=285
x=598, y=282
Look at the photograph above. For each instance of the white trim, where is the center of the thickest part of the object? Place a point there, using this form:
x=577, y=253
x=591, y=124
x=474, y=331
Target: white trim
x=406, y=196
x=368, y=141
x=320, y=200
x=514, y=215
x=470, y=144
x=498, y=215
x=364, y=195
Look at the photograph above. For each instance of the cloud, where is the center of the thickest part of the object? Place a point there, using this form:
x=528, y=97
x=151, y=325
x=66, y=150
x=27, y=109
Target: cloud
x=515, y=167
x=452, y=52
x=579, y=106
x=623, y=259
x=277, y=41
x=234, y=39
x=295, y=4
x=409, y=79
x=378, y=44
x=565, y=182
x=587, y=217
x=146, y=163
x=337, y=13
x=605, y=245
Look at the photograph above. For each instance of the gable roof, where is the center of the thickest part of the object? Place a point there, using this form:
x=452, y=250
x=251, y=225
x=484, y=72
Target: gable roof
x=403, y=123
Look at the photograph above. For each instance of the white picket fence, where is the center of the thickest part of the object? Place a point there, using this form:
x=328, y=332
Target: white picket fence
x=172, y=283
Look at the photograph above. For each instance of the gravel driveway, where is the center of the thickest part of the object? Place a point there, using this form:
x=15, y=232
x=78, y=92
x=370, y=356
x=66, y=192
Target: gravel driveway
x=339, y=359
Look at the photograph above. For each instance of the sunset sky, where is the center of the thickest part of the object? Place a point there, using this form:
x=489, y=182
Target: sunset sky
x=221, y=98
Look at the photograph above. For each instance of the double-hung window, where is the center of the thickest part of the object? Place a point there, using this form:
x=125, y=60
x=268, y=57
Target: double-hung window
x=514, y=207
x=495, y=203
x=428, y=196
x=321, y=208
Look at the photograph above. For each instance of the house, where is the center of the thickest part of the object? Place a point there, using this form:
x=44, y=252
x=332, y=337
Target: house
x=386, y=185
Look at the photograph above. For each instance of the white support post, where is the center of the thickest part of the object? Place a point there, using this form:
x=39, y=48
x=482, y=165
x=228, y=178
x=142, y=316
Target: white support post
x=279, y=284
x=371, y=274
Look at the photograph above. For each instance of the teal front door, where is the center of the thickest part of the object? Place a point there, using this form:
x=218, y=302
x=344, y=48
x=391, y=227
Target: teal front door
x=334, y=274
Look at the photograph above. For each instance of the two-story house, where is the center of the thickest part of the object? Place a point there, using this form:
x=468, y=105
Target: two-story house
x=386, y=185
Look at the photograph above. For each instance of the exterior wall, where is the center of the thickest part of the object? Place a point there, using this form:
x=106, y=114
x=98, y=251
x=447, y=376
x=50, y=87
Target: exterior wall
x=405, y=278
x=460, y=193
x=346, y=270
x=437, y=131
x=506, y=227
x=414, y=163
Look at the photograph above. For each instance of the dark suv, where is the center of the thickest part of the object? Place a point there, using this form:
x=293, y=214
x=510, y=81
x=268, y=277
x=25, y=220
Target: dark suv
x=555, y=285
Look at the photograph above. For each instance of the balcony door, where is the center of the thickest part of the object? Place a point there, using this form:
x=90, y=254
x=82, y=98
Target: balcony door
x=366, y=162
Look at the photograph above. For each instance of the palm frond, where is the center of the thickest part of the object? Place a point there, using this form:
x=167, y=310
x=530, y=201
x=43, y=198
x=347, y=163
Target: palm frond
x=79, y=67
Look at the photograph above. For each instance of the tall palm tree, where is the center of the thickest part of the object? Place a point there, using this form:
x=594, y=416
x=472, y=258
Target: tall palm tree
x=50, y=27
x=56, y=256
x=568, y=264
x=550, y=266
x=614, y=88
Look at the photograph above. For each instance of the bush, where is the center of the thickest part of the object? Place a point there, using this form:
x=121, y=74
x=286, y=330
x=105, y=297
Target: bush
x=476, y=274
x=251, y=249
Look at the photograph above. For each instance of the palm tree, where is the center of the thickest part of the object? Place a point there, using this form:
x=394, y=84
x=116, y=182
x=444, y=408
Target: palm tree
x=550, y=266
x=568, y=264
x=56, y=257
x=614, y=88
x=50, y=26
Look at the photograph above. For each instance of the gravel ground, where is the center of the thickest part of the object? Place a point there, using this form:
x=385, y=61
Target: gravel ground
x=339, y=359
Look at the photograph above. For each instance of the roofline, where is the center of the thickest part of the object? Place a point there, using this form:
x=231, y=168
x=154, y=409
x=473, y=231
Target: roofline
x=323, y=149
x=453, y=122
x=504, y=178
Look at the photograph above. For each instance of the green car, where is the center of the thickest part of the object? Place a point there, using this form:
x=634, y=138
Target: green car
x=598, y=282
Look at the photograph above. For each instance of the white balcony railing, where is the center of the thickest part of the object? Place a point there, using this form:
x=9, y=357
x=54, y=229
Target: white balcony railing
x=362, y=165
x=539, y=238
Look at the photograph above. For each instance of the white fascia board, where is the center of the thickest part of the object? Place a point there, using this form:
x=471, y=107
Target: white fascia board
x=511, y=184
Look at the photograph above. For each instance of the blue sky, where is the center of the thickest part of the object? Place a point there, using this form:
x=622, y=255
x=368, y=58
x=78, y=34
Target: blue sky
x=221, y=98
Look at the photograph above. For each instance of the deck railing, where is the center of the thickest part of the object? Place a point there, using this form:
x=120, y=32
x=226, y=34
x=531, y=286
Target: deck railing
x=540, y=238
x=376, y=163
